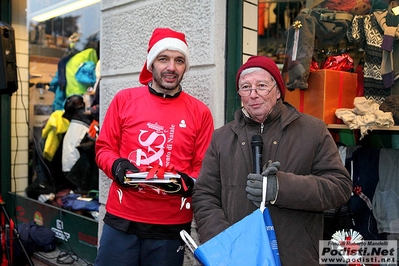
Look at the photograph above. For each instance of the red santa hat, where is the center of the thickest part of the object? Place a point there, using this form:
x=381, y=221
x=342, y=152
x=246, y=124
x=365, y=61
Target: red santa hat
x=163, y=39
x=267, y=64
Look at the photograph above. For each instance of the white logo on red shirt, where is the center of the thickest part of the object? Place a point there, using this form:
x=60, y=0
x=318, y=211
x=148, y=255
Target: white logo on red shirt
x=157, y=145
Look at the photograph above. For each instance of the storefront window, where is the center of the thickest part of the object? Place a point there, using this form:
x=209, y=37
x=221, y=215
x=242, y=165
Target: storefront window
x=64, y=39
x=274, y=18
x=332, y=67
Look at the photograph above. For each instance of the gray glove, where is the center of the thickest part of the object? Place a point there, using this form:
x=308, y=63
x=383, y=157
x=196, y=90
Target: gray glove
x=255, y=184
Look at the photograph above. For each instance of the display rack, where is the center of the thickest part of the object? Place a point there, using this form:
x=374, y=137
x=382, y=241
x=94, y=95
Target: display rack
x=343, y=126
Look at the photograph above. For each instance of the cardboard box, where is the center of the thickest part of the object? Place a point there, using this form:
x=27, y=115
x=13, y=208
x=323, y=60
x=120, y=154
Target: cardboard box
x=327, y=91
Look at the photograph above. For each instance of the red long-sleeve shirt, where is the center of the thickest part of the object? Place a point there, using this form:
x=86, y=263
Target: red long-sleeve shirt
x=149, y=129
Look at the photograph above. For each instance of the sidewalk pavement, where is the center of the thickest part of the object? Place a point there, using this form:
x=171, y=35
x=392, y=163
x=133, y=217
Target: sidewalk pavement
x=57, y=257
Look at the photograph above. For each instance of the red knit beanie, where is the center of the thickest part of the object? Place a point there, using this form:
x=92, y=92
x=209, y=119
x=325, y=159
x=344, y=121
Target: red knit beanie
x=163, y=39
x=267, y=64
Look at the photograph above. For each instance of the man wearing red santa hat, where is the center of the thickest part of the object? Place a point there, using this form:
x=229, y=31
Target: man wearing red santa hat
x=156, y=128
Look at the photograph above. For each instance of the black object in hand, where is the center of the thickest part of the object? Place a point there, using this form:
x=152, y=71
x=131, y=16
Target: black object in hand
x=257, y=147
x=119, y=168
x=187, y=184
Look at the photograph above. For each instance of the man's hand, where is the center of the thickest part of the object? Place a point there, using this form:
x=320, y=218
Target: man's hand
x=271, y=168
x=119, y=168
x=187, y=184
x=254, y=188
x=255, y=184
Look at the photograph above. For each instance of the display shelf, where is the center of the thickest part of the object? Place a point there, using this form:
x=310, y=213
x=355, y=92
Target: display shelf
x=343, y=126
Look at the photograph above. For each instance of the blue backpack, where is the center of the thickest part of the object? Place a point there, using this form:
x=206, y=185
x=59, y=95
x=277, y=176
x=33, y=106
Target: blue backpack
x=36, y=237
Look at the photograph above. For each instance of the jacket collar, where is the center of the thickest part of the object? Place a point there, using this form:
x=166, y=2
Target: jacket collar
x=283, y=111
x=160, y=94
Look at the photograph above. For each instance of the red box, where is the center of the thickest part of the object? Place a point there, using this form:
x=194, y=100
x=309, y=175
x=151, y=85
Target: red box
x=327, y=91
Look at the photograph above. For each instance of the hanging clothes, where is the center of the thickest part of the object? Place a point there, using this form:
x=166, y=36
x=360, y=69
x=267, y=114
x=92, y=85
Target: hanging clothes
x=73, y=86
x=78, y=128
x=386, y=197
x=70, y=154
x=369, y=34
x=364, y=164
x=62, y=81
x=58, y=83
x=59, y=95
x=53, y=132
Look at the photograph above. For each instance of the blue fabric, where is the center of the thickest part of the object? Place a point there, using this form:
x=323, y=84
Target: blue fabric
x=272, y=236
x=72, y=202
x=120, y=249
x=59, y=94
x=36, y=237
x=246, y=243
x=86, y=73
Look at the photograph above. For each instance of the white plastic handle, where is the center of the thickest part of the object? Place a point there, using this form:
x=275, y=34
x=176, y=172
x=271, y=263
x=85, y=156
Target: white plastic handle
x=264, y=189
x=188, y=240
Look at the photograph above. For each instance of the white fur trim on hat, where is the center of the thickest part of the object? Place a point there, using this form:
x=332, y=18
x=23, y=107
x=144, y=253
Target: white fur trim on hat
x=173, y=44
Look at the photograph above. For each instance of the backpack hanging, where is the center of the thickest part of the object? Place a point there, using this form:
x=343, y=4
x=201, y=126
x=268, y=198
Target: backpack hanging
x=328, y=26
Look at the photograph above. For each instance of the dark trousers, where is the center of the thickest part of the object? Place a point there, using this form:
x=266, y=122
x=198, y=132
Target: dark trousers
x=121, y=249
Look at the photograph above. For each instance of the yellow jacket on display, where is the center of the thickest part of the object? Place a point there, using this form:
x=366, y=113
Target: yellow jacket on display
x=52, y=132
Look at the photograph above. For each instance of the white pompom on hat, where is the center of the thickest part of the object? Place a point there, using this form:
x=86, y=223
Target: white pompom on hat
x=163, y=39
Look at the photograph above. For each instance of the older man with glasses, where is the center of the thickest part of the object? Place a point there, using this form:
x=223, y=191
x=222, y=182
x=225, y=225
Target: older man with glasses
x=305, y=174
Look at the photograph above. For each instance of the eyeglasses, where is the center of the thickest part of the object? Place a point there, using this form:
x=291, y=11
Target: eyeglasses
x=261, y=90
